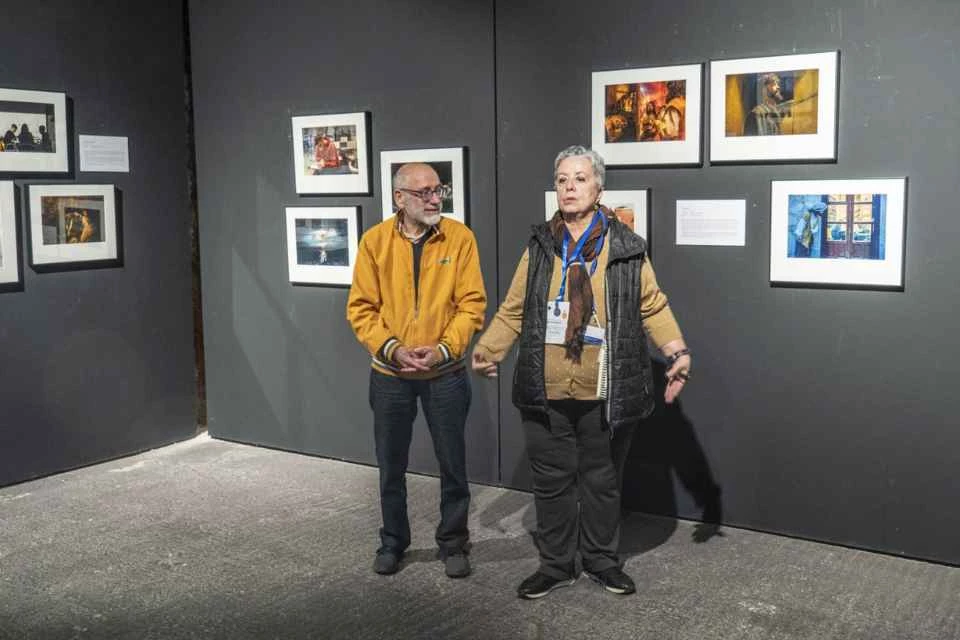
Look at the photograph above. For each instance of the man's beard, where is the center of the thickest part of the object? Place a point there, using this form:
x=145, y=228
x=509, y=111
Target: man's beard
x=426, y=217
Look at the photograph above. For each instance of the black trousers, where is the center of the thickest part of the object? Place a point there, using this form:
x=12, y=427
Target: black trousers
x=445, y=401
x=576, y=469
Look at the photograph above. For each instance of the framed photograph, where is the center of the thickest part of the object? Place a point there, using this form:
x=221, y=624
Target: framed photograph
x=73, y=224
x=645, y=117
x=9, y=255
x=777, y=109
x=34, y=138
x=845, y=233
x=322, y=244
x=330, y=154
x=449, y=165
x=630, y=207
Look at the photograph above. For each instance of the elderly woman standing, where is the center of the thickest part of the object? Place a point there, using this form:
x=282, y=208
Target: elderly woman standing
x=583, y=302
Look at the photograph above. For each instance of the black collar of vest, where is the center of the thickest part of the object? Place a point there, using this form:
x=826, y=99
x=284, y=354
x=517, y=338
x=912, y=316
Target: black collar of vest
x=622, y=241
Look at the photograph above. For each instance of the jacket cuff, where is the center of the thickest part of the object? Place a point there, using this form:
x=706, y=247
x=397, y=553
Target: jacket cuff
x=445, y=355
x=387, y=350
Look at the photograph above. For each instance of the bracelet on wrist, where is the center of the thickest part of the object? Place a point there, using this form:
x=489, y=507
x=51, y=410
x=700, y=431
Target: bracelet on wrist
x=676, y=355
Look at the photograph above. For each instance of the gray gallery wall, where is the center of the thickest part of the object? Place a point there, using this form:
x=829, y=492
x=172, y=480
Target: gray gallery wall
x=283, y=367
x=821, y=413
x=825, y=414
x=99, y=363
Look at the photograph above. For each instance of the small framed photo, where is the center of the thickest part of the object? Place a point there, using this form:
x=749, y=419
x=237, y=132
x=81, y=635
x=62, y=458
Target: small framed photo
x=843, y=233
x=776, y=109
x=9, y=254
x=648, y=117
x=73, y=226
x=330, y=154
x=322, y=244
x=449, y=165
x=630, y=207
x=34, y=132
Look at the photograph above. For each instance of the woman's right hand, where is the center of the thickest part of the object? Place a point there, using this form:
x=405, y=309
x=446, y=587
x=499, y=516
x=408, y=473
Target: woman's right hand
x=483, y=366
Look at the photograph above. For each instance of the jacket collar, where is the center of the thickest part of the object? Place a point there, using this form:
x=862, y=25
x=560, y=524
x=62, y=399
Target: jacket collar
x=435, y=230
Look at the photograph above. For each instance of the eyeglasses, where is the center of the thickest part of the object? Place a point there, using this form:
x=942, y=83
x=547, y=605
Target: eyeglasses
x=442, y=191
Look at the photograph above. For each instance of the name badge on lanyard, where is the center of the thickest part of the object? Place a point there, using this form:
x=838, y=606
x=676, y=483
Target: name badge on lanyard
x=558, y=311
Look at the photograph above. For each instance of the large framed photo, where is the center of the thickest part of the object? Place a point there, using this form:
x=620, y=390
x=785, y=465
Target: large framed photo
x=775, y=109
x=73, y=226
x=9, y=255
x=34, y=126
x=631, y=208
x=322, y=244
x=644, y=117
x=330, y=153
x=449, y=165
x=844, y=233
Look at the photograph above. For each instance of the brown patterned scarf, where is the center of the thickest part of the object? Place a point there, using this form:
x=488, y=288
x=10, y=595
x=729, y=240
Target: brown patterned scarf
x=580, y=293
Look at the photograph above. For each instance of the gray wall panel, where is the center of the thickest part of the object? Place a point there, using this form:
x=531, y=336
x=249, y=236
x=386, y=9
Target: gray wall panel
x=821, y=413
x=283, y=366
x=824, y=414
x=99, y=363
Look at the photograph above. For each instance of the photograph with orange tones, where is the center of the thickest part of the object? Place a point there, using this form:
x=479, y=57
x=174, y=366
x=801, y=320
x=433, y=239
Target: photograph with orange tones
x=71, y=224
x=778, y=103
x=645, y=111
x=72, y=220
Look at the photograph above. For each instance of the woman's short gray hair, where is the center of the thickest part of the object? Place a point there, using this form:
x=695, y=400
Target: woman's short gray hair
x=576, y=151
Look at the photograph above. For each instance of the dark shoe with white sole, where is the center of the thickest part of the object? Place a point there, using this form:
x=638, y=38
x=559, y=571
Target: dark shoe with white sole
x=540, y=584
x=613, y=580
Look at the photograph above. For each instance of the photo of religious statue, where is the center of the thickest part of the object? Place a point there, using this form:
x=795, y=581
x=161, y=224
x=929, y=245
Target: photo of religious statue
x=648, y=117
x=645, y=111
x=772, y=104
x=774, y=109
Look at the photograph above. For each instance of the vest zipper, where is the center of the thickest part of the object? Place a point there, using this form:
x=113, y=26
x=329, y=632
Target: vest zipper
x=609, y=339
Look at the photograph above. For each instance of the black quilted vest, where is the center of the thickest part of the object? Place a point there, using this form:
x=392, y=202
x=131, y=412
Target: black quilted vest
x=630, y=390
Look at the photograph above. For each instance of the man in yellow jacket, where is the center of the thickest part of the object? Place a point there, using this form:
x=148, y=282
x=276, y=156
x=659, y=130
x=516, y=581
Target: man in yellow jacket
x=416, y=300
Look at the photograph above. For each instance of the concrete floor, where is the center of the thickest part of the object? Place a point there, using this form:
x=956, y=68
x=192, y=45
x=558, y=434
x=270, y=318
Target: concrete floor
x=210, y=539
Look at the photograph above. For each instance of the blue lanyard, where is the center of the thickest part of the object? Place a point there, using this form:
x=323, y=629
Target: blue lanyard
x=578, y=252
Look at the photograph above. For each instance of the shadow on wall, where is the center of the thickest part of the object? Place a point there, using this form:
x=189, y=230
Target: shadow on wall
x=666, y=444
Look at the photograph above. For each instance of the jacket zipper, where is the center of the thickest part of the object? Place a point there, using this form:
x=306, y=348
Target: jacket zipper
x=416, y=283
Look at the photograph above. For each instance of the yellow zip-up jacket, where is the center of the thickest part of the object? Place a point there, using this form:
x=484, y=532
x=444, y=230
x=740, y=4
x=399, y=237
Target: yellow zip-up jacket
x=385, y=311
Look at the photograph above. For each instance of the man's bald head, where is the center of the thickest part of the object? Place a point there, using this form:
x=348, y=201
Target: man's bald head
x=413, y=173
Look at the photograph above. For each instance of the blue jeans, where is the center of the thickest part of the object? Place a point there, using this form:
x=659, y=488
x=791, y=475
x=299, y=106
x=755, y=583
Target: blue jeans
x=445, y=401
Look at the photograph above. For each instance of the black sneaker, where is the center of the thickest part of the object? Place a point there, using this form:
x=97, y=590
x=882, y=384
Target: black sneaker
x=386, y=562
x=540, y=584
x=613, y=580
x=457, y=565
